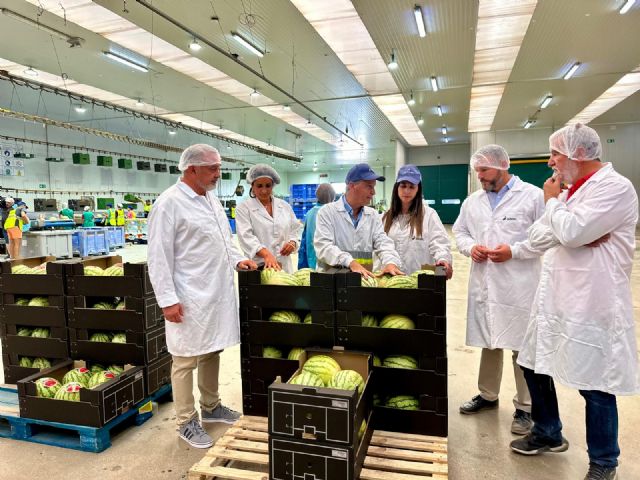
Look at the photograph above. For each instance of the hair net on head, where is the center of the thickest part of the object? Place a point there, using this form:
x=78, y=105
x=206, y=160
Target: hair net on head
x=577, y=142
x=490, y=156
x=199, y=155
x=87, y=208
x=9, y=200
x=325, y=193
x=262, y=170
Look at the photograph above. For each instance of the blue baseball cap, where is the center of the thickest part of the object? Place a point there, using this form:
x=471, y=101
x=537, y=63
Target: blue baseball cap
x=362, y=171
x=409, y=173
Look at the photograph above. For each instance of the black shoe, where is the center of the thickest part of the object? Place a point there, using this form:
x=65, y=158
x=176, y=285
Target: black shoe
x=522, y=423
x=529, y=446
x=598, y=472
x=477, y=404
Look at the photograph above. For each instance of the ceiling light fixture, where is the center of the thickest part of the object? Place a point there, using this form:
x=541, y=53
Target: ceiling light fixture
x=411, y=102
x=393, y=62
x=254, y=94
x=194, y=45
x=247, y=44
x=444, y=129
x=172, y=132
x=126, y=61
x=545, y=103
x=446, y=139
x=434, y=84
x=420, y=120
x=80, y=108
x=529, y=123
x=286, y=108
x=31, y=72
x=572, y=71
x=439, y=111
x=417, y=13
x=627, y=6
x=139, y=103
x=71, y=40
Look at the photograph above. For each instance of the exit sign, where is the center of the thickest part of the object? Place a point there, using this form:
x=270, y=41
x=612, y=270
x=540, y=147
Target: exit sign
x=611, y=140
x=42, y=185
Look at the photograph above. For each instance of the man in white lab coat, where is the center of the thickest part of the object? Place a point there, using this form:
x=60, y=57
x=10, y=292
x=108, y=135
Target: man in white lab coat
x=492, y=230
x=192, y=260
x=348, y=232
x=582, y=332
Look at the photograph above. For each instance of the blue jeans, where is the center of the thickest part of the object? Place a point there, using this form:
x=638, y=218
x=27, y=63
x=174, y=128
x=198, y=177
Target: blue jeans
x=601, y=419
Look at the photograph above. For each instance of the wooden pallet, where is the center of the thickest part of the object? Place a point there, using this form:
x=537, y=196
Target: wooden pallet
x=391, y=455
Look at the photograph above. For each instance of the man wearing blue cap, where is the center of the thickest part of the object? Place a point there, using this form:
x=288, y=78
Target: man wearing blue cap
x=349, y=232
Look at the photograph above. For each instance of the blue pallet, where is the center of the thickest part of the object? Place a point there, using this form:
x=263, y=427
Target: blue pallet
x=89, y=241
x=65, y=435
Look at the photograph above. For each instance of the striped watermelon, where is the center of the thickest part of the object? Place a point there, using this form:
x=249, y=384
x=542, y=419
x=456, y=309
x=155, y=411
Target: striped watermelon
x=383, y=279
x=307, y=378
x=40, y=362
x=323, y=366
x=308, y=318
x=421, y=272
x=295, y=353
x=376, y=361
x=376, y=400
x=47, y=387
x=284, y=316
x=69, y=391
x=20, y=270
x=363, y=428
x=119, y=337
x=266, y=274
x=118, y=370
x=96, y=367
x=25, y=362
x=99, y=378
x=22, y=301
x=397, y=321
x=39, y=270
x=91, y=271
x=40, y=333
x=24, y=332
x=402, y=281
x=79, y=375
x=400, y=361
x=120, y=306
x=39, y=302
x=100, y=337
x=103, y=306
x=114, y=271
x=403, y=402
x=368, y=282
x=304, y=276
x=369, y=321
x=271, y=352
x=282, y=278
x=347, y=380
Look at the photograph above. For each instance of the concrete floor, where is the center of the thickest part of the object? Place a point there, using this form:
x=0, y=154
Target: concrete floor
x=478, y=445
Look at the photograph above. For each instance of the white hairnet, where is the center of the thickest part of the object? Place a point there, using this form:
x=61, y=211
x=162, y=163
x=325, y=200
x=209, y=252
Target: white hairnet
x=199, y=155
x=577, y=142
x=9, y=200
x=490, y=156
x=87, y=208
x=119, y=205
x=262, y=170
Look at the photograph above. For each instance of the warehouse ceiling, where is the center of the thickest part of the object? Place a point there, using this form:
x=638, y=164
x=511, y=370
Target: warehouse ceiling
x=326, y=96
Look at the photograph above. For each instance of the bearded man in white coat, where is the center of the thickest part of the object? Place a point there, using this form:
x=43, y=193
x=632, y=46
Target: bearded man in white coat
x=192, y=260
x=492, y=230
x=582, y=332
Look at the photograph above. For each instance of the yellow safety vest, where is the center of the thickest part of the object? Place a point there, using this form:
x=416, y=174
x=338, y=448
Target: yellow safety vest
x=11, y=220
x=111, y=213
x=147, y=208
x=119, y=217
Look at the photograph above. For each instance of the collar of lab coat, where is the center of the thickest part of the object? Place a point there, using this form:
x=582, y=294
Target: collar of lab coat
x=606, y=169
x=186, y=189
x=256, y=206
x=341, y=208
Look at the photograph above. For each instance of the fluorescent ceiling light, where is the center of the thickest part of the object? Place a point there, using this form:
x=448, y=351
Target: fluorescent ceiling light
x=622, y=89
x=411, y=102
x=247, y=44
x=80, y=108
x=286, y=108
x=172, y=132
x=255, y=93
x=446, y=139
x=439, y=111
x=417, y=13
x=444, y=129
x=528, y=123
x=126, y=61
x=572, y=71
x=545, y=103
x=139, y=103
x=625, y=8
x=393, y=62
x=420, y=121
x=31, y=72
x=502, y=25
x=194, y=45
x=395, y=108
x=434, y=84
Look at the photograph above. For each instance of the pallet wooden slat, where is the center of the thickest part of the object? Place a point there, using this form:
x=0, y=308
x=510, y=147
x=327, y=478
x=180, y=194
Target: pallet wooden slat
x=404, y=466
x=368, y=474
x=230, y=454
x=411, y=455
x=243, y=445
x=408, y=444
x=228, y=473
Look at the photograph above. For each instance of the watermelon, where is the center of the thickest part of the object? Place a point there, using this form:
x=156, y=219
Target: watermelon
x=79, y=375
x=40, y=333
x=271, y=352
x=92, y=271
x=376, y=361
x=39, y=270
x=99, y=378
x=24, y=332
x=22, y=301
x=100, y=337
x=26, y=362
x=119, y=337
x=295, y=353
x=20, y=270
x=266, y=274
x=39, y=302
x=114, y=271
x=376, y=400
x=403, y=402
x=347, y=380
x=47, y=387
x=397, y=321
x=307, y=378
x=369, y=321
x=363, y=429
x=308, y=318
x=96, y=367
x=69, y=391
x=284, y=316
x=282, y=278
x=421, y=272
x=323, y=366
x=103, y=306
x=118, y=370
x=120, y=305
x=304, y=276
x=40, y=362
x=402, y=281
x=369, y=282
x=400, y=361
x=383, y=279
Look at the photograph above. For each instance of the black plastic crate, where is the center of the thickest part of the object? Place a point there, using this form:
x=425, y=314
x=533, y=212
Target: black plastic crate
x=139, y=315
x=157, y=374
x=52, y=316
x=134, y=283
x=52, y=283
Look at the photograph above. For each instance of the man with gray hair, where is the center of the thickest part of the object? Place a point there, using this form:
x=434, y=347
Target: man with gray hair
x=192, y=259
x=307, y=253
x=492, y=230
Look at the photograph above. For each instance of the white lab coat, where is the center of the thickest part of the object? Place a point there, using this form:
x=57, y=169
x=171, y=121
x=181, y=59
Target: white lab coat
x=337, y=241
x=500, y=294
x=257, y=229
x=192, y=261
x=433, y=246
x=581, y=331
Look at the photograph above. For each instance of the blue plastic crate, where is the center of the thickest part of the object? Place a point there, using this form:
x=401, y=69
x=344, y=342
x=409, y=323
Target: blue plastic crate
x=89, y=241
x=232, y=223
x=115, y=237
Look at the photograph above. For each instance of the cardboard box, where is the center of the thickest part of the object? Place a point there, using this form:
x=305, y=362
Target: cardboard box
x=431, y=419
x=255, y=404
x=14, y=372
x=50, y=284
x=139, y=315
x=29, y=316
x=134, y=283
x=56, y=346
x=157, y=374
x=258, y=373
x=96, y=407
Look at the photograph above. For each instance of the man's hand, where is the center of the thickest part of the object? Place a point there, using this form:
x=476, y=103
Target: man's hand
x=391, y=269
x=447, y=268
x=173, y=313
x=501, y=253
x=288, y=248
x=552, y=188
x=603, y=239
x=479, y=253
x=246, y=265
x=357, y=268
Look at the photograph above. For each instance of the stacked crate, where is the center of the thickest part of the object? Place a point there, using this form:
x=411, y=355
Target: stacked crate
x=14, y=316
x=303, y=198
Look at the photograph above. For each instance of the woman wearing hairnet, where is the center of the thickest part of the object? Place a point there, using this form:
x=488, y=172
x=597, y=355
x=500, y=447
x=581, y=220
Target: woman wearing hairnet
x=307, y=254
x=414, y=227
x=268, y=230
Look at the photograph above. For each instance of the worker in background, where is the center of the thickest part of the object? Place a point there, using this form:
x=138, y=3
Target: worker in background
x=66, y=213
x=147, y=208
x=349, y=232
x=16, y=217
x=581, y=331
x=192, y=260
x=130, y=214
x=415, y=228
x=492, y=230
x=87, y=217
x=25, y=226
x=307, y=253
x=120, y=216
x=111, y=215
x=268, y=231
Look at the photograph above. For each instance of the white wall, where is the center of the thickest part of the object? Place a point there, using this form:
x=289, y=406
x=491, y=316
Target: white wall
x=439, y=155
